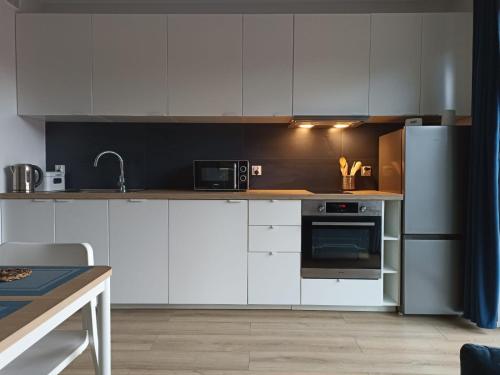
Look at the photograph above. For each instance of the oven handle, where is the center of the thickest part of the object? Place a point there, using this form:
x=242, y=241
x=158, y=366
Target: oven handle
x=343, y=223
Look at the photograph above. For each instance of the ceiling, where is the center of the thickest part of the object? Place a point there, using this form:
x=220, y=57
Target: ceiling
x=241, y=6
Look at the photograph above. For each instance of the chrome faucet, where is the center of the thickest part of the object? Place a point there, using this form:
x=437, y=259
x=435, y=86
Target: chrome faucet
x=121, y=179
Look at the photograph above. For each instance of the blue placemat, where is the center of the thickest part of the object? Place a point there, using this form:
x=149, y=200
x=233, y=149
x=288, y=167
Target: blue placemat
x=8, y=307
x=41, y=281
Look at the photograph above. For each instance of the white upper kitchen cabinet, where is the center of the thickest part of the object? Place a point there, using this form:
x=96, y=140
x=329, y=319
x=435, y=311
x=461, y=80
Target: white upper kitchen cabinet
x=395, y=64
x=84, y=221
x=25, y=220
x=446, y=63
x=331, y=64
x=208, y=252
x=54, y=64
x=267, y=64
x=205, y=65
x=139, y=251
x=130, y=65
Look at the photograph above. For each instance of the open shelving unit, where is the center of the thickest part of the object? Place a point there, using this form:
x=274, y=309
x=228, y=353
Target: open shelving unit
x=391, y=253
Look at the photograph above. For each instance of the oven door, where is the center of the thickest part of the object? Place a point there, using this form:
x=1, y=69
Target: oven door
x=215, y=175
x=341, y=247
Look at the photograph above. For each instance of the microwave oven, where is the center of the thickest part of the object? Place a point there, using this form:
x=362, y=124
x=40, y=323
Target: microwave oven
x=221, y=175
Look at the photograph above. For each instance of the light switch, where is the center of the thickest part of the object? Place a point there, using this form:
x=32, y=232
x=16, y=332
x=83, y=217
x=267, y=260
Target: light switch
x=366, y=170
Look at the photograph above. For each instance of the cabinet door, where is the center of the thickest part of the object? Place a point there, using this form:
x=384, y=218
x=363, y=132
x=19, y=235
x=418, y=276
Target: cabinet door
x=25, y=220
x=130, y=65
x=395, y=64
x=267, y=65
x=273, y=278
x=208, y=252
x=331, y=64
x=204, y=65
x=54, y=64
x=446, y=63
x=139, y=251
x=84, y=221
x=265, y=238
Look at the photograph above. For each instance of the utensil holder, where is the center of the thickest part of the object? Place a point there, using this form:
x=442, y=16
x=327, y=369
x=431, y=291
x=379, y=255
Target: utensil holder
x=348, y=183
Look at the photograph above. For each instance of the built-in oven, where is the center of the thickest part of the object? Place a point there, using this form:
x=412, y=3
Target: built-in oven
x=222, y=175
x=341, y=240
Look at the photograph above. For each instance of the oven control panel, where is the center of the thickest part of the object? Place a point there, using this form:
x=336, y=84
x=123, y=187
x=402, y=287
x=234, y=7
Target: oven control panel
x=333, y=208
x=342, y=207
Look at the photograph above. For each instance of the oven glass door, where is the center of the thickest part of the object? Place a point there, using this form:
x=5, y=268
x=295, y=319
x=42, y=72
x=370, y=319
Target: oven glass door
x=341, y=246
x=215, y=175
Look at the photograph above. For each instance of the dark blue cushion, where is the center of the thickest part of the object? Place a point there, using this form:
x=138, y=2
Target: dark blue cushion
x=478, y=359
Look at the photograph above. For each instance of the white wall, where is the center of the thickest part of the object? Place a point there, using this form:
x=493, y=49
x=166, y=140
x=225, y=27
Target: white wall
x=21, y=141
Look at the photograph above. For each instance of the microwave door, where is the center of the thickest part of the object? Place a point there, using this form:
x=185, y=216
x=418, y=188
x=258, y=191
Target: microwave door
x=216, y=177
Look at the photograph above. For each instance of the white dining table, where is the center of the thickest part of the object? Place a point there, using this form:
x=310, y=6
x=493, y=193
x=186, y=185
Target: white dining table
x=26, y=328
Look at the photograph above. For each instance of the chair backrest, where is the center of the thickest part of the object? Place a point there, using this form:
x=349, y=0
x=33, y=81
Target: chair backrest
x=41, y=254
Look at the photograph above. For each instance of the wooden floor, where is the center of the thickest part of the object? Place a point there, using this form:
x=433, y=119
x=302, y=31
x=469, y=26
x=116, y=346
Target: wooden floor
x=282, y=342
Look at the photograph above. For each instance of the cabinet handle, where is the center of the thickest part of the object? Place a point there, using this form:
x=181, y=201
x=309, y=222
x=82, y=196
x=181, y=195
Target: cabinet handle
x=271, y=226
x=64, y=200
x=40, y=200
x=233, y=201
x=136, y=200
x=271, y=253
x=273, y=200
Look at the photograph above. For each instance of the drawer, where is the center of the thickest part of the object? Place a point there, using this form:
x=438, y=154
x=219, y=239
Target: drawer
x=279, y=238
x=274, y=212
x=273, y=279
x=341, y=292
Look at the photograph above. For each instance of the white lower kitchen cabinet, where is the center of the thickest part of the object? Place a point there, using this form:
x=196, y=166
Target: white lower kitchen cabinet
x=283, y=238
x=138, y=241
x=208, y=251
x=275, y=212
x=341, y=292
x=273, y=278
x=84, y=221
x=26, y=220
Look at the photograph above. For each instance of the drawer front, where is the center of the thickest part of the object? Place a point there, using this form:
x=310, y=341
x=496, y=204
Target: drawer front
x=273, y=279
x=274, y=212
x=341, y=292
x=266, y=238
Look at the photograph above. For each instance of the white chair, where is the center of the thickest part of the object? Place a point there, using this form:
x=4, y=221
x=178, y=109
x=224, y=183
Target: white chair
x=53, y=353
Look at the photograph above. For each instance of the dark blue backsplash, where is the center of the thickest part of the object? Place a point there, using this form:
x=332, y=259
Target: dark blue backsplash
x=159, y=156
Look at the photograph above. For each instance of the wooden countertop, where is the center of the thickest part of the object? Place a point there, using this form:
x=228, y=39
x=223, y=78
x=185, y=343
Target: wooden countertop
x=190, y=194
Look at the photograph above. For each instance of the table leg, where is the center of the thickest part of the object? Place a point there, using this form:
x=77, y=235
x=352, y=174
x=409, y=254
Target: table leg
x=104, y=331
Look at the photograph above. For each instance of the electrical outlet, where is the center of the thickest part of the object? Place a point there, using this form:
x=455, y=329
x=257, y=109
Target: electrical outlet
x=60, y=168
x=256, y=170
x=366, y=170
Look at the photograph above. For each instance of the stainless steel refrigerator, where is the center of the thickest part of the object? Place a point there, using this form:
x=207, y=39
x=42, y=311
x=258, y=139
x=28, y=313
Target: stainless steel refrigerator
x=428, y=164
